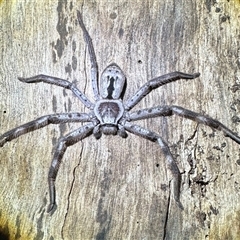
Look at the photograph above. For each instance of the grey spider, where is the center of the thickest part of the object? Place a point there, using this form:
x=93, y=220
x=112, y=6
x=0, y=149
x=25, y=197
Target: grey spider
x=110, y=115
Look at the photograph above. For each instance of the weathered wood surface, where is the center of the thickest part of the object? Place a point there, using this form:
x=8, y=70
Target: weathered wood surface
x=115, y=188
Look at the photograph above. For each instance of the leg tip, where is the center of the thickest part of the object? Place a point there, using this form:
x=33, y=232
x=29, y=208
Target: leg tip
x=21, y=79
x=52, y=208
x=196, y=75
x=180, y=205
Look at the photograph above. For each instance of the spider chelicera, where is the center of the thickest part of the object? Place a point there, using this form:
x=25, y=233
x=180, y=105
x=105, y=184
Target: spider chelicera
x=110, y=115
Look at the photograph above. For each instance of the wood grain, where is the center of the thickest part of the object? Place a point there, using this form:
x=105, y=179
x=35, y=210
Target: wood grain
x=116, y=188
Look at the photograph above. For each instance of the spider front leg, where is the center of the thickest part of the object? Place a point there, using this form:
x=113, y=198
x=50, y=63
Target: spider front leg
x=64, y=142
x=155, y=83
x=62, y=83
x=42, y=122
x=171, y=164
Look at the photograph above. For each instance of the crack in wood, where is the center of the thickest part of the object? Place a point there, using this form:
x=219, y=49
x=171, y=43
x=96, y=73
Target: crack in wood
x=70, y=191
x=167, y=214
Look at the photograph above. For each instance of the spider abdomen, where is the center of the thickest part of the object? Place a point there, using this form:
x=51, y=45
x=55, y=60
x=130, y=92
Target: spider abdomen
x=112, y=82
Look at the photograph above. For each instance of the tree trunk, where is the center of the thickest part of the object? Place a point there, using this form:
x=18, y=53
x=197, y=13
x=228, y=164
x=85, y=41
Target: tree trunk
x=116, y=188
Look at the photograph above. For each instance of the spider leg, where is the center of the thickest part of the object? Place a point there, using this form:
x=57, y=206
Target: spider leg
x=170, y=110
x=42, y=122
x=64, y=142
x=171, y=164
x=59, y=82
x=155, y=83
x=94, y=66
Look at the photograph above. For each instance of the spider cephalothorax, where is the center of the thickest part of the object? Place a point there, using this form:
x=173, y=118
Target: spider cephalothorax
x=109, y=112
x=110, y=115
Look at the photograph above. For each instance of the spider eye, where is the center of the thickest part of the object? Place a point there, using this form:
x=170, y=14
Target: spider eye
x=112, y=82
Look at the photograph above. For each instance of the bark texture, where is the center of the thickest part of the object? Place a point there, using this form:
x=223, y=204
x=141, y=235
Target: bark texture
x=116, y=188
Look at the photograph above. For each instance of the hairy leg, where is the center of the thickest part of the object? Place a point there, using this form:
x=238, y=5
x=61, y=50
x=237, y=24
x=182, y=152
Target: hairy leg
x=171, y=164
x=59, y=82
x=170, y=110
x=42, y=122
x=155, y=83
x=94, y=66
x=64, y=142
